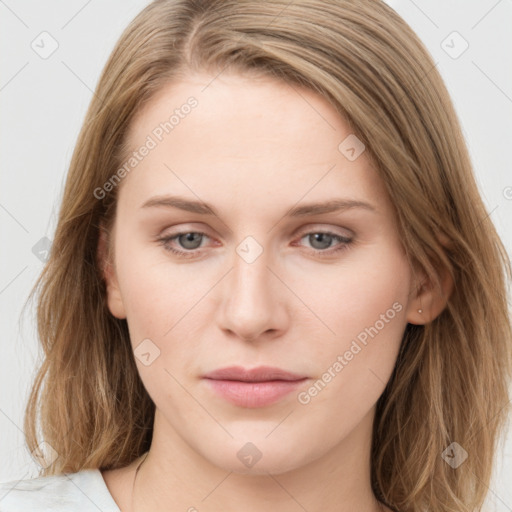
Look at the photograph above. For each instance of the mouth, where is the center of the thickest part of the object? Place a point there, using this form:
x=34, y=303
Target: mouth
x=251, y=388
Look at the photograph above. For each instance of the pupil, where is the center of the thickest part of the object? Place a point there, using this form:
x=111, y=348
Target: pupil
x=319, y=237
x=189, y=237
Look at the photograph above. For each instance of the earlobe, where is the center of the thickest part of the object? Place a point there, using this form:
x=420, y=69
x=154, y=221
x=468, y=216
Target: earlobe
x=430, y=301
x=106, y=266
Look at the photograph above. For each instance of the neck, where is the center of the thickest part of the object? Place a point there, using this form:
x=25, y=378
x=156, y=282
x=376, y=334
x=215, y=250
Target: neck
x=173, y=476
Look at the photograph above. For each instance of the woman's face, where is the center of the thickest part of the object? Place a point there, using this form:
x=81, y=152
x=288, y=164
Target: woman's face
x=257, y=283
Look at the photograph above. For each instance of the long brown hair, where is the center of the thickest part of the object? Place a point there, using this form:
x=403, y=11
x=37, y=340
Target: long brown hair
x=450, y=382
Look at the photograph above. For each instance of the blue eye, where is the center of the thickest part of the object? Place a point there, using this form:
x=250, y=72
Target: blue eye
x=325, y=238
x=183, y=238
x=189, y=240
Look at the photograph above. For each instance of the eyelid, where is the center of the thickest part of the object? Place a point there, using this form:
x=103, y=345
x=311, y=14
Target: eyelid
x=344, y=242
x=181, y=229
x=326, y=228
x=307, y=229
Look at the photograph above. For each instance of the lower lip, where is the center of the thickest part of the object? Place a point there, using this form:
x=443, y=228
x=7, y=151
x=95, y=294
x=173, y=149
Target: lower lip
x=254, y=394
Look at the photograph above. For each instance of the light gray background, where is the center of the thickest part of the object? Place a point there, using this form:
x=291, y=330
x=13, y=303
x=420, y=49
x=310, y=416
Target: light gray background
x=43, y=102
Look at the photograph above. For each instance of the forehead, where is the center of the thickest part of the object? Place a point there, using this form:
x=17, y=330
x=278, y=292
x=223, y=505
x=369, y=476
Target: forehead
x=245, y=138
x=246, y=110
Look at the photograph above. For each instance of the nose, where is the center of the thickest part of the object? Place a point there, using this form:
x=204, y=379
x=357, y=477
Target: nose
x=253, y=299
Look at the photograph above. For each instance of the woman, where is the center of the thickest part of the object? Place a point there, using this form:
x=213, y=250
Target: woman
x=273, y=282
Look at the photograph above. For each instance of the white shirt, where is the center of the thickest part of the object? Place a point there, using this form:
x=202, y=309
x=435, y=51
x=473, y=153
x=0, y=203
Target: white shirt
x=84, y=491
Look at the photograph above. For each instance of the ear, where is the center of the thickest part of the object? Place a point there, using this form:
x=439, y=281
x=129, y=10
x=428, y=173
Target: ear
x=429, y=298
x=107, y=267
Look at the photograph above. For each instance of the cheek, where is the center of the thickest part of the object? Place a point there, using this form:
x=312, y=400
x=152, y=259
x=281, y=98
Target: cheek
x=364, y=307
x=153, y=288
x=159, y=300
x=352, y=296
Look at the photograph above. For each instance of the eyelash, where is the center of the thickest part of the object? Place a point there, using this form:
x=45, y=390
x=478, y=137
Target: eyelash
x=346, y=242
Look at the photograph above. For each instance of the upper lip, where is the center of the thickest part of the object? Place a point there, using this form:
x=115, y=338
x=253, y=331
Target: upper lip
x=258, y=374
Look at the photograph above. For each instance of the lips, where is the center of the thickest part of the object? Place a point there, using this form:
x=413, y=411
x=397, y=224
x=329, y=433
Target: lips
x=259, y=374
x=255, y=387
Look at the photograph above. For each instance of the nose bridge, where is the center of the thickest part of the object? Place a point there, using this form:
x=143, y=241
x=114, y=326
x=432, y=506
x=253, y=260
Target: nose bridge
x=250, y=276
x=250, y=302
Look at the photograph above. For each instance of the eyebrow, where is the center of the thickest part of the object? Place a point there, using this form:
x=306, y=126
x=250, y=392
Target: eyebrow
x=330, y=206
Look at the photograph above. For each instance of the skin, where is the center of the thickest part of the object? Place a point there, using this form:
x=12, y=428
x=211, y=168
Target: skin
x=255, y=148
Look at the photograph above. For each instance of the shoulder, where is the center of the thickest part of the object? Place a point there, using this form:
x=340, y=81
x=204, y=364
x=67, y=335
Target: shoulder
x=83, y=491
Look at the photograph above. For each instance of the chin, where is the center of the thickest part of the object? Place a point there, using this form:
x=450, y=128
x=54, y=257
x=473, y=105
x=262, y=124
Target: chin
x=272, y=465
x=260, y=456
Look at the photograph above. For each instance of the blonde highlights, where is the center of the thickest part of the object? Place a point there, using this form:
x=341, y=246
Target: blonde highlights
x=450, y=382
